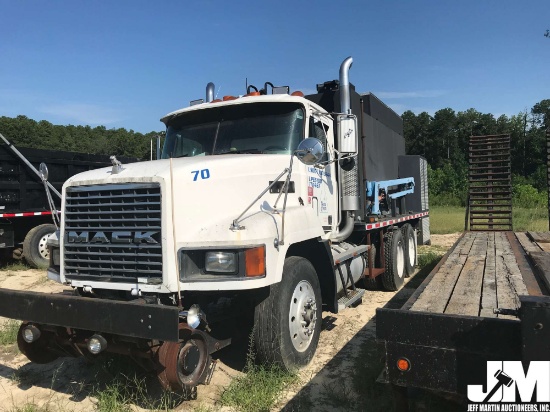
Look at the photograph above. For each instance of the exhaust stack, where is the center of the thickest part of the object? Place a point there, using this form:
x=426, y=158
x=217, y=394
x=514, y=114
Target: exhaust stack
x=210, y=92
x=345, y=104
x=349, y=188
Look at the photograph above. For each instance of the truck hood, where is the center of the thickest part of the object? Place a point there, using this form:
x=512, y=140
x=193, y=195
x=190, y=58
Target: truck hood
x=209, y=192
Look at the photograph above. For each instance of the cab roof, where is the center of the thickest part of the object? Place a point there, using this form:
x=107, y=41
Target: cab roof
x=270, y=98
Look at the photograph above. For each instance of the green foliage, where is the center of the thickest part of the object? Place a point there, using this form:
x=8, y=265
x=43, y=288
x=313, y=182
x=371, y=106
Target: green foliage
x=447, y=186
x=527, y=196
x=443, y=140
x=26, y=132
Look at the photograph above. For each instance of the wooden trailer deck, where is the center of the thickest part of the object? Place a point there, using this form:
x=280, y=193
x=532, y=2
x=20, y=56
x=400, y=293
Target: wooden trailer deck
x=448, y=329
x=482, y=272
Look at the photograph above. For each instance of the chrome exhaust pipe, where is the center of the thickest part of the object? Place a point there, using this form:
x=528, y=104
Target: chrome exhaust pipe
x=210, y=92
x=345, y=104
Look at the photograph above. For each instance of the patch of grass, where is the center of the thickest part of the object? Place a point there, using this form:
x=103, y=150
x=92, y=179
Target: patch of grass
x=445, y=220
x=8, y=332
x=530, y=219
x=258, y=390
x=428, y=259
x=113, y=398
x=16, y=266
x=31, y=407
x=123, y=387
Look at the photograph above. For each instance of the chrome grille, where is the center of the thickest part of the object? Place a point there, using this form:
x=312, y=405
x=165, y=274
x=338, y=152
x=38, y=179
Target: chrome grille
x=113, y=232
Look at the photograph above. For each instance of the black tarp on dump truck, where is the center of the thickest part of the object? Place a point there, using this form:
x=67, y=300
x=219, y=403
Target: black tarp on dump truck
x=23, y=202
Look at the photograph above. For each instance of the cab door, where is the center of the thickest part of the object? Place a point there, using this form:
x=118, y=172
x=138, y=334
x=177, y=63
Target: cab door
x=322, y=186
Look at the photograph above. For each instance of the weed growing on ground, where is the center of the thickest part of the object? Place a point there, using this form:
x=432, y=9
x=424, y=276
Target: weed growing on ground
x=9, y=331
x=428, y=260
x=259, y=389
x=16, y=266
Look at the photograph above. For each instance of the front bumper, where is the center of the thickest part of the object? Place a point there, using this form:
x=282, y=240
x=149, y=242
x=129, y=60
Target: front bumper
x=136, y=320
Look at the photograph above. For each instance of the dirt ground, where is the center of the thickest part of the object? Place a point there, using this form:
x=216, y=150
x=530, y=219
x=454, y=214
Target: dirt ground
x=66, y=384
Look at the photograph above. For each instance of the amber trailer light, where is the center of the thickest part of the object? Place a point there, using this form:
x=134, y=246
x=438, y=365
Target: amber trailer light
x=255, y=261
x=403, y=364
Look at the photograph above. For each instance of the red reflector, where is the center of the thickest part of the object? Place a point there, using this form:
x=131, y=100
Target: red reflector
x=403, y=364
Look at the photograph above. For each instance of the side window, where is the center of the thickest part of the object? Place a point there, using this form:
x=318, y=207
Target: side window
x=319, y=130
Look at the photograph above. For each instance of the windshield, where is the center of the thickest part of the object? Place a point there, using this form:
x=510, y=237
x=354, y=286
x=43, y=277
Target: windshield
x=274, y=128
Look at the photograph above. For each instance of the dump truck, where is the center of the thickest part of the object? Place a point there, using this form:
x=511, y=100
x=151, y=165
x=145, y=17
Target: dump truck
x=26, y=219
x=273, y=204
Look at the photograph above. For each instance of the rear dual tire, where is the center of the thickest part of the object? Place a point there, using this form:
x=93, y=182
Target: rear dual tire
x=394, y=256
x=409, y=239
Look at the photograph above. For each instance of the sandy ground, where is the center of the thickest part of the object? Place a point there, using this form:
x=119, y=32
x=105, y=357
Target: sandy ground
x=65, y=384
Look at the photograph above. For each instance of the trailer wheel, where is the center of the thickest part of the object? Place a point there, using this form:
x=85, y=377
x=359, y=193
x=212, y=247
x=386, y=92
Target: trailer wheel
x=287, y=323
x=368, y=283
x=394, y=254
x=35, y=249
x=409, y=237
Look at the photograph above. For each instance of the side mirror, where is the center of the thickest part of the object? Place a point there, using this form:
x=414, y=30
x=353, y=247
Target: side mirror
x=309, y=151
x=43, y=171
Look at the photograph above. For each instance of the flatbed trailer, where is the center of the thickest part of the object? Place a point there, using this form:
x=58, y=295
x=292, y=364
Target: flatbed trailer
x=484, y=301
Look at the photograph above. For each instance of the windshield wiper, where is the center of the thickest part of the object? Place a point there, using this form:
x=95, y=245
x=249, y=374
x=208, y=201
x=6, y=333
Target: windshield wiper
x=183, y=155
x=247, y=151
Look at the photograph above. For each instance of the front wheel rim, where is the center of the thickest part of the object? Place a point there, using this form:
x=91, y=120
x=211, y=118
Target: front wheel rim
x=302, y=317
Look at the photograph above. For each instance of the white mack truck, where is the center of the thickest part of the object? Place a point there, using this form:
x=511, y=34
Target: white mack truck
x=279, y=204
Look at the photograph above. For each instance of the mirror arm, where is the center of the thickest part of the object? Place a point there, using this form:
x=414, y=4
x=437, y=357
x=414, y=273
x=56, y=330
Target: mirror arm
x=235, y=225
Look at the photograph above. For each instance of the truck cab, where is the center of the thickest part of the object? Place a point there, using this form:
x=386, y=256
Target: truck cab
x=257, y=203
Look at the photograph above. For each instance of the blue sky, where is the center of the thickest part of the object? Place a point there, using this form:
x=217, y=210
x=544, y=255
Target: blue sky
x=127, y=63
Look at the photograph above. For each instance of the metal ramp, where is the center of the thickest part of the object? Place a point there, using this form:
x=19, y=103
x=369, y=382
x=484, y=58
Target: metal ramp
x=490, y=183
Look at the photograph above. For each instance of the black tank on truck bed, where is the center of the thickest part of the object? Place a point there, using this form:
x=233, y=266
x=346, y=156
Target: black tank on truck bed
x=25, y=217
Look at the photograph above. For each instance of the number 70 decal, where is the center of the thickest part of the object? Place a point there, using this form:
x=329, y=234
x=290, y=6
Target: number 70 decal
x=204, y=174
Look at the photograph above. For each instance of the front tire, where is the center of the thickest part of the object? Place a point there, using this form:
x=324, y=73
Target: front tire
x=35, y=248
x=287, y=323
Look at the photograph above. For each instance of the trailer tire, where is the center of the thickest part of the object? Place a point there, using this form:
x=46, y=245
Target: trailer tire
x=35, y=250
x=280, y=336
x=368, y=283
x=409, y=238
x=394, y=254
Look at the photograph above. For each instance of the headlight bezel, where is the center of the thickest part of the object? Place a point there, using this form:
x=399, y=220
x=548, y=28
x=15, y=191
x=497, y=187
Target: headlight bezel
x=192, y=263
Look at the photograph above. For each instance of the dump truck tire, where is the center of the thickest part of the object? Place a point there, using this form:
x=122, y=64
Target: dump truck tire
x=35, y=250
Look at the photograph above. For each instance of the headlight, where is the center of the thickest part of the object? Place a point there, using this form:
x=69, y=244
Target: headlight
x=222, y=262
